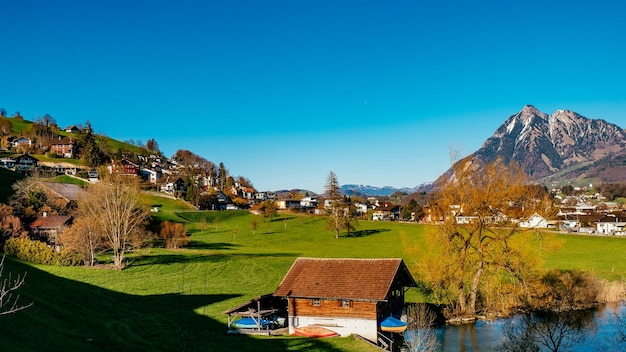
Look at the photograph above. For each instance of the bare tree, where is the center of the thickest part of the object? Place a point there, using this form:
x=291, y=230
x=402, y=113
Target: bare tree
x=269, y=209
x=420, y=335
x=9, y=299
x=84, y=238
x=174, y=234
x=254, y=224
x=202, y=224
x=544, y=331
x=113, y=204
x=560, y=323
x=348, y=216
x=10, y=225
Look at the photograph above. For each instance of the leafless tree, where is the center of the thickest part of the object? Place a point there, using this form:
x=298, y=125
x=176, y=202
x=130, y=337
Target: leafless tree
x=173, y=234
x=84, y=238
x=9, y=299
x=254, y=224
x=114, y=206
x=420, y=335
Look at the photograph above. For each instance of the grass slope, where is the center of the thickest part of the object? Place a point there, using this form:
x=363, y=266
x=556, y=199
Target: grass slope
x=173, y=300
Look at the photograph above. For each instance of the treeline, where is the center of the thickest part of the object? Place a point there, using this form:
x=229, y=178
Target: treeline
x=612, y=191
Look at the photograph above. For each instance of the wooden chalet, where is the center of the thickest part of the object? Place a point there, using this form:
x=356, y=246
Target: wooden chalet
x=26, y=162
x=72, y=129
x=347, y=296
x=47, y=227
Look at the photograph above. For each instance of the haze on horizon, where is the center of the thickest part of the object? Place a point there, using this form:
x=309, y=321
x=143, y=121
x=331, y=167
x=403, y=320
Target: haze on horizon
x=284, y=92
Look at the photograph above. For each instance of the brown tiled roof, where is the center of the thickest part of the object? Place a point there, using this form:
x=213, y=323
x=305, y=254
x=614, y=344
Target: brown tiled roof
x=356, y=279
x=61, y=141
x=50, y=222
x=66, y=190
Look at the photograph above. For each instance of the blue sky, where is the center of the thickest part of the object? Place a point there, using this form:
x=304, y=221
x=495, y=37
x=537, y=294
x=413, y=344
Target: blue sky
x=283, y=92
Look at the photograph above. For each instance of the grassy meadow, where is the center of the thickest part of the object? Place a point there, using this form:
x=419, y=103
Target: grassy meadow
x=174, y=300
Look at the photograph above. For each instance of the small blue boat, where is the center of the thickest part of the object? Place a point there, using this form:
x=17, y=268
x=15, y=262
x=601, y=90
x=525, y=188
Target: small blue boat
x=391, y=324
x=250, y=323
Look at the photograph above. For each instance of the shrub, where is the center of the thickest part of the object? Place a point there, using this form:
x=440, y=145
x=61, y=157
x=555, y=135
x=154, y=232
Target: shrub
x=37, y=252
x=174, y=235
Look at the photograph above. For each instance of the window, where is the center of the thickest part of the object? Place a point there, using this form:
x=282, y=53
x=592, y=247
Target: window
x=316, y=302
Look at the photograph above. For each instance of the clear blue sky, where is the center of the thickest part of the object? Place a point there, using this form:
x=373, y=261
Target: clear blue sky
x=283, y=92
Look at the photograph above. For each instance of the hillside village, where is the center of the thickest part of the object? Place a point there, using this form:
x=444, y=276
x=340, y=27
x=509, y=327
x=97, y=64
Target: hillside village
x=583, y=210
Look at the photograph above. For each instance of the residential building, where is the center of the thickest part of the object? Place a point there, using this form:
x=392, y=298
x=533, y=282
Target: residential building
x=47, y=227
x=62, y=146
x=26, y=162
x=345, y=295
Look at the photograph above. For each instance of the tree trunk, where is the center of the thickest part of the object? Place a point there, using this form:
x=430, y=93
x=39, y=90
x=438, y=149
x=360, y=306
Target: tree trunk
x=474, y=288
x=118, y=259
x=462, y=300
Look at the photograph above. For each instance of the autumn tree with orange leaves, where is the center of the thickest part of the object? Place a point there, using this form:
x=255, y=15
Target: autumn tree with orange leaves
x=475, y=256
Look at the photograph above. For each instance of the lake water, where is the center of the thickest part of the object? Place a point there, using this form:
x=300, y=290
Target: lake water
x=600, y=327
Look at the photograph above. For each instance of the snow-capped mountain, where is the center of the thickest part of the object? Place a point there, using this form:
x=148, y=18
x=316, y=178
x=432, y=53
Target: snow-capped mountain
x=364, y=190
x=545, y=144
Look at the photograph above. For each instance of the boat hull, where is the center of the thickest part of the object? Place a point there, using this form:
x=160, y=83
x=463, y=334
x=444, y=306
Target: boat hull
x=314, y=331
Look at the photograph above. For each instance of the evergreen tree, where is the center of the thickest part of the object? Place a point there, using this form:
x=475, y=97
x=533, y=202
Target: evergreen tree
x=222, y=175
x=335, y=209
x=87, y=147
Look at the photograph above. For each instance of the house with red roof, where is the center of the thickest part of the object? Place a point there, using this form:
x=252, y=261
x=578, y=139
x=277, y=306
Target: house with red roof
x=345, y=295
x=48, y=227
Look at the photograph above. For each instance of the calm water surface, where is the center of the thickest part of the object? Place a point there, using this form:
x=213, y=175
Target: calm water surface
x=487, y=335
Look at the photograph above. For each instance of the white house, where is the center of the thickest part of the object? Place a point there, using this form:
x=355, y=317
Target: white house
x=16, y=142
x=151, y=176
x=308, y=202
x=611, y=225
x=361, y=208
x=534, y=221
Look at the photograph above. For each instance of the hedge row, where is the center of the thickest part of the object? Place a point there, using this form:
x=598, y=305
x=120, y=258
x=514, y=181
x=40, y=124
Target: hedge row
x=37, y=252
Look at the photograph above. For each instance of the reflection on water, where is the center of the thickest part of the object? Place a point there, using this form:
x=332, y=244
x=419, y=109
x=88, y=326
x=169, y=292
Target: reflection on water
x=600, y=328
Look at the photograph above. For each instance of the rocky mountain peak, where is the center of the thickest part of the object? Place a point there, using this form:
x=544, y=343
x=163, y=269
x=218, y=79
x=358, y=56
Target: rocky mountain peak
x=530, y=110
x=544, y=144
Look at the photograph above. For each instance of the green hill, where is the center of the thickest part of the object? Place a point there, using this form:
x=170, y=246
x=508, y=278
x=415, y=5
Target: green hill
x=20, y=126
x=111, y=147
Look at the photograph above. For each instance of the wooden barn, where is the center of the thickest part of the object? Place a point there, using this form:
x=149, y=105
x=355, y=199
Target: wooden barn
x=345, y=296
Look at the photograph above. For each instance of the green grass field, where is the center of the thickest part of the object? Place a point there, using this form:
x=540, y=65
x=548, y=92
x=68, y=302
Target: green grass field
x=174, y=300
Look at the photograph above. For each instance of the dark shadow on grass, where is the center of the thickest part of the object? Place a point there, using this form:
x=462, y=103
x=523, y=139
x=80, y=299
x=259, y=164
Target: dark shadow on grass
x=214, y=246
x=69, y=315
x=363, y=233
x=174, y=258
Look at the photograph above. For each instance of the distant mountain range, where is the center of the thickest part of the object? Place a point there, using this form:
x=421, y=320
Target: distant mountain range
x=563, y=147
x=372, y=191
